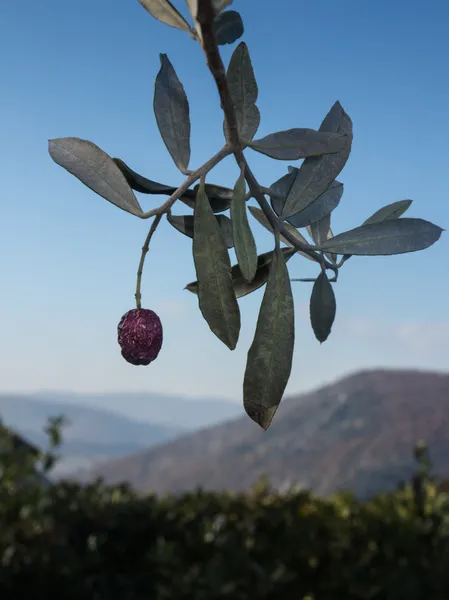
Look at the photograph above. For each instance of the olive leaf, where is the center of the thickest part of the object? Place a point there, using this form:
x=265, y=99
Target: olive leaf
x=260, y=216
x=282, y=188
x=293, y=144
x=216, y=296
x=245, y=245
x=228, y=27
x=317, y=232
x=142, y=184
x=219, y=5
x=171, y=109
x=270, y=356
x=391, y=211
x=317, y=173
x=164, y=11
x=193, y=8
x=322, y=307
x=331, y=256
x=396, y=236
x=320, y=230
x=243, y=89
x=184, y=224
x=147, y=186
x=96, y=169
x=319, y=208
x=219, y=197
x=241, y=286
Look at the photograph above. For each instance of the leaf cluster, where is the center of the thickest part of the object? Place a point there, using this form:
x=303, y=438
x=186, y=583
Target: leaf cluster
x=297, y=208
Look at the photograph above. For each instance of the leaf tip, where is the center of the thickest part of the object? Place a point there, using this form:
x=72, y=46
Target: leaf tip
x=261, y=415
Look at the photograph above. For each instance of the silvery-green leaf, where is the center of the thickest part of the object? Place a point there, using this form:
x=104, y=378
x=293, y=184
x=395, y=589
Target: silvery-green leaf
x=391, y=211
x=228, y=27
x=164, y=11
x=318, y=172
x=396, y=236
x=219, y=197
x=337, y=120
x=319, y=208
x=147, y=186
x=270, y=356
x=332, y=257
x=243, y=89
x=241, y=286
x=219, y=5
x=245, y=245
x=320, y=230
x=216, y=296
x=193, y=8
x=322, y=307
x=316, y=232
x=184, y=224
x=260, y=216
x=172, y=113
x=305, y=279
x=282, y=188
x=293, y=144
x=142, y=184
x=96, y=170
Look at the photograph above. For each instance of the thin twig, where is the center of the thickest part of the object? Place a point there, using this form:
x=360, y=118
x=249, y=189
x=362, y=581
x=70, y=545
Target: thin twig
x=271, y=193
x=343, y=259
x=145, y=249
x=203, y=170
x=205, y=16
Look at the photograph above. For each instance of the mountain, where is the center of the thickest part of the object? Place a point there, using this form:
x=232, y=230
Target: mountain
x=358, y=434
x=180, y=412
x=91, y=434
x=105, y=426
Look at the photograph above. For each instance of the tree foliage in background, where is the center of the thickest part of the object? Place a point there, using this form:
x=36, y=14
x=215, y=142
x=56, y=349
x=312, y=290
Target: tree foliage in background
x=102, y=542
x=298, y=204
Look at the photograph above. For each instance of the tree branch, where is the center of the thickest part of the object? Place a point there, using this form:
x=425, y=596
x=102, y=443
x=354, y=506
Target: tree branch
x=191, y=179
x=145, y=249
x=205, y=17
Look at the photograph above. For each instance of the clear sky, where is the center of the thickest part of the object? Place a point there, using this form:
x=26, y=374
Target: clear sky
x=69, y=258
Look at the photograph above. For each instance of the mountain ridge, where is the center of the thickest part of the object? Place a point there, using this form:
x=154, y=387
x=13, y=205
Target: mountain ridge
x=356, y=433
x=151, y=407
x=96, y=434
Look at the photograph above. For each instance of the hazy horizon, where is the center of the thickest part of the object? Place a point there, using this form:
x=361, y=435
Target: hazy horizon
x=47, y=394
x=70, y=258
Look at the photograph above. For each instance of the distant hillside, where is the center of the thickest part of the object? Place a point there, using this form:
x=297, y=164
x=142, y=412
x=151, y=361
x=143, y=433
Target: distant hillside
x=106, y=426
x=358, y=433
x=181, y=412
x=91, y=435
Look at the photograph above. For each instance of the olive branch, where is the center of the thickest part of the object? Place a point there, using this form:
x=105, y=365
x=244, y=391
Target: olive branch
x=303, y=198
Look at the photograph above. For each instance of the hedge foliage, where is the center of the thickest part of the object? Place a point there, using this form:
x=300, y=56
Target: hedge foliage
x=108, y=543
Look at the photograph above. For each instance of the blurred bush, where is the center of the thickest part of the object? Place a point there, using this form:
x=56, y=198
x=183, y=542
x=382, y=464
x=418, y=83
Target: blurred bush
x=99, y=542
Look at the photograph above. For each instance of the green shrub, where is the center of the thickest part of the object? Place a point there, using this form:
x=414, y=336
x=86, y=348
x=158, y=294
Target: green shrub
x=100, y=542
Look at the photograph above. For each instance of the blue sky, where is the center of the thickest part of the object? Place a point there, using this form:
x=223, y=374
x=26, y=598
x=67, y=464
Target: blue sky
x=69, y=258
